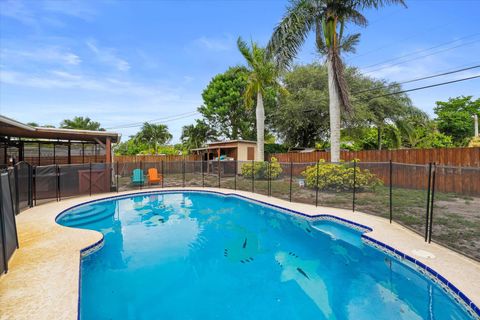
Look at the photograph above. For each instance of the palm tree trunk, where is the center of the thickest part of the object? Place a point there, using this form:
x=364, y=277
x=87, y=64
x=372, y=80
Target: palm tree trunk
x=334, y=109
x=260, y=115
x=379, y=138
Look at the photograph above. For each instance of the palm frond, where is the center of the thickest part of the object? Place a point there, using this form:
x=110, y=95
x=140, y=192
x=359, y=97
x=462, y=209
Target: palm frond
x=340, y=81
x=245, y=51
x=376, y=3
x=290, y=34
x=349, y=43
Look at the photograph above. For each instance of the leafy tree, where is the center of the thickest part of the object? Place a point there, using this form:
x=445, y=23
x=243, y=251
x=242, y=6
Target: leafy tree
x=328, y=19
x=301, y=118
x=224, y=108
x=81, y=123
x=262, y=75
x=131, y=147
x=196, y=135
x=153, y=135
x=454, y=118
x=33, y=124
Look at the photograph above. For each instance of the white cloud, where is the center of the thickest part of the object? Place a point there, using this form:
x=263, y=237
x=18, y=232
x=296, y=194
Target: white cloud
x=108, y=56
x=17, y=10
x=224, y=43
x=45, y=54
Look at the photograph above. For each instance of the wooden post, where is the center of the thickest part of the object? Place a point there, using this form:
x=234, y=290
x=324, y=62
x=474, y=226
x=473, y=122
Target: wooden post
x=108, y=150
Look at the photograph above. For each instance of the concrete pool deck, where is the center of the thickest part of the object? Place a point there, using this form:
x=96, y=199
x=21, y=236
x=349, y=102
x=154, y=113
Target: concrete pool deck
x=43, y=277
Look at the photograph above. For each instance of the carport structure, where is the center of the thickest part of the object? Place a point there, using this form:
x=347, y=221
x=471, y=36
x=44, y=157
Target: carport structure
x=44, y=146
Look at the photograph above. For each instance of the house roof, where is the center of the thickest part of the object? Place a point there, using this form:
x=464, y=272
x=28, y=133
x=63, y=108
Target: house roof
x=13, y=128
x=224, y=144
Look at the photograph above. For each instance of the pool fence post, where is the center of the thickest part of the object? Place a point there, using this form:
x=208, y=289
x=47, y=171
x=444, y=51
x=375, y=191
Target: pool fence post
x=90, y=178
x=434, y=168
x=428, y=200
x=354, y=183
x=390, y=191
x=59, y=188
x=163, y=175
x=316, y=184
x=291, y=177
x=219, y=174
x=17, y=197
x=143, y=176
x=183, y=172
x=235, y=177
x=203, y=174
x=30, y=186
x=253, y=176
x=34, y=185
x=117, y=173
x=269, y=184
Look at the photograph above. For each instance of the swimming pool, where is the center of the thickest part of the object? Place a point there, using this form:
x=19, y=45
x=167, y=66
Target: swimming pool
x=195, y=255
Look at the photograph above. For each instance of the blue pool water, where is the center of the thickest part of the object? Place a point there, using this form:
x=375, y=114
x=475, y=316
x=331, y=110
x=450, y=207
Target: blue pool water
x=195, y=255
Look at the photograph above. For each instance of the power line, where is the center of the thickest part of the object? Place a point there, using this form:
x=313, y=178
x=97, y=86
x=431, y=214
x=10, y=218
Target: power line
x=421, y=57
x=418, y=79
x=422, y=50
x=157, y=120
x=426, y=87
x=396, y=41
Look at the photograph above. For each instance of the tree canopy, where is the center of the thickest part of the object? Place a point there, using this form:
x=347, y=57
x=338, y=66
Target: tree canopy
x=454, y=118
x=81, y=123
x=153, y=135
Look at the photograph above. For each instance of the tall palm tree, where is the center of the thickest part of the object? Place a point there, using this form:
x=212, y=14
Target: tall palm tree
x=262, y=75
x=153, y=135
x=327, y=18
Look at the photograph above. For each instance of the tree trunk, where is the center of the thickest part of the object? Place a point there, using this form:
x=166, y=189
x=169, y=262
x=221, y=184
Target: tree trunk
x=260, y=115
x=379, y=138
x=334, y=109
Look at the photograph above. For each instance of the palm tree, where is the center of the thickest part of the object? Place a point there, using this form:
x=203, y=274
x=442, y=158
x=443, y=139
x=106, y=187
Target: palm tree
x=327, y=18
x=262, y=75
x=196, y=135
x=81, y=123
x=154, y=135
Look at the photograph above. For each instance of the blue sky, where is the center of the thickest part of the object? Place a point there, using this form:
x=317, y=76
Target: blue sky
x=125, y=62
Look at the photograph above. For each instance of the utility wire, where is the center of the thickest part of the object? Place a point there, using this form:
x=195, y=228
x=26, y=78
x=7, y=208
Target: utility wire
x=420, y=51
x=426, y=87
x=421, y=57
x=158, y=120
x=417, y=79
x=412, y=36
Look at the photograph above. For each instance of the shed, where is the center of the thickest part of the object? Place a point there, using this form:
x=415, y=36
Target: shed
x=233, y=150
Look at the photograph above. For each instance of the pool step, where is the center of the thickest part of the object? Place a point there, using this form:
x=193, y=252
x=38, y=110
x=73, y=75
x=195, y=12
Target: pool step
x=86, y=216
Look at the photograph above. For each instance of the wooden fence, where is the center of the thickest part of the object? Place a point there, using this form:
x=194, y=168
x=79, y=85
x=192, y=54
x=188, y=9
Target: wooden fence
x=459, y=157
x=155, y=158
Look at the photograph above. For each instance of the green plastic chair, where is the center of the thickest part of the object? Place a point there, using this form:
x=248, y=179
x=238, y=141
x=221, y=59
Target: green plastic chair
x=138, y=177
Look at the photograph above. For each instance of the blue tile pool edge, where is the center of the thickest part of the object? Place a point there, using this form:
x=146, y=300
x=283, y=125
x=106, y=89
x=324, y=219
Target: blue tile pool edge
x=434, y=276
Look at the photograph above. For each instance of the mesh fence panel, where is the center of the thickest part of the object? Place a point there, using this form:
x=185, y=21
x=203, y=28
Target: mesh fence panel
x=23, y=185
x=9, y=240
x=245, y=181
x=301, y=192
x=193, y=173
x=280, y=182
x=45, y=182
x=409, y=195
x=173, y=174
x=456, y=215
x=372, y=193
x=74, y=180
x=124, y=177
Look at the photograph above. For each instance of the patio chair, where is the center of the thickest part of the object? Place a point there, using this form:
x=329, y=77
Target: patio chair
x=153, y=176
x=138, y=178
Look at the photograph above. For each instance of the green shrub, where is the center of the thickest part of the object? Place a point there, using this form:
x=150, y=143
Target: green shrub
x=260, y=169
x=339, y=177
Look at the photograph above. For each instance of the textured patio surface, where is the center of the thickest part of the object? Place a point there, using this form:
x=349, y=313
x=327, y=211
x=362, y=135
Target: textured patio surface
x=43, y=277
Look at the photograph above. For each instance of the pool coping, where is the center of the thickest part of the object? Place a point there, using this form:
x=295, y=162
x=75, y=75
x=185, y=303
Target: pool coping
x=465, y=290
